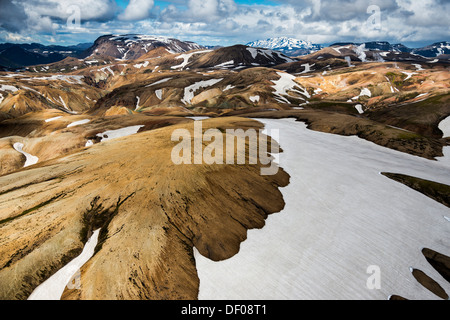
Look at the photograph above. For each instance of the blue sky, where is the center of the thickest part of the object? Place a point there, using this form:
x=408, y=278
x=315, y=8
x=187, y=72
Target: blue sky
x=226, y=22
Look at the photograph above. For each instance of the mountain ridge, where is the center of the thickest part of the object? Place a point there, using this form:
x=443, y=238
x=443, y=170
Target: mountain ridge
x=133, y=46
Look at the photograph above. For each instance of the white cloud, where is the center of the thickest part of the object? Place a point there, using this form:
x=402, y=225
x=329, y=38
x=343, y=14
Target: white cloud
x=98, y=10
x=225, y=22
x=201, y=11
x=137, y=10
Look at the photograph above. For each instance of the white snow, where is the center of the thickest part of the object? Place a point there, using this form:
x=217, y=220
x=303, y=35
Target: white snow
x=53, y=287
x=158, y=82
x=307, y=67
x=269, y=54
x=64, y=104
x=190, y=90
x=186, y=57
x=338, y=49
x=53, y=119
x=418, y=67
x=341, y=216
x=421, y=95
x=107, y=68
x=159, y=94
x=286, y=83
x=89, y=143
x=253, y=52
x=434, y=61
x=359, y=108
x=137, y=103
x=229, y=87
x=282, y=42
x=142, y=65
x=7, y=87
x=409, y=74
x=254, y=99
x=77, y=123
x=118, y=133
x=30, y=159
x=364, y=92
x=198, y=118
x=225, y=64
x=444, y=125
x=72, y=79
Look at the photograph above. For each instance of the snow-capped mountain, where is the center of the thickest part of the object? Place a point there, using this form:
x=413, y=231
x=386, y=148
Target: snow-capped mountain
x=434, y=50
x=289, y=46
x=132, y=46
x=431, y=51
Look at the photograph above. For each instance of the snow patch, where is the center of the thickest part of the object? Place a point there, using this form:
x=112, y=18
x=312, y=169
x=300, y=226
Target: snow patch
x=77, y=123
x=141, y=65
x=359, y=107
x=186, y=57
x=364, y=92
x=444, y=126
x=348, y=221
x=229, y=87
x=190, y=91
x=30, y=159
x=53, y=119
x=286, y=83
x=7, y=87
x=158, y=82
x=53, y=287
x=137, y=103
x=225, y=64
x=159, y=94
x=119, y=133
x=409, y=74
x=254, y=99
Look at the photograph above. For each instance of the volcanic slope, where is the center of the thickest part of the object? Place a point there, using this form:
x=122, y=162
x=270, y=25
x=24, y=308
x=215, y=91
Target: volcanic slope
x=151, y=213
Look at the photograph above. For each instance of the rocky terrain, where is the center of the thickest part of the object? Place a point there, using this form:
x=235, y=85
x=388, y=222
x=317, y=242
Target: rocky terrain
x=85, y=144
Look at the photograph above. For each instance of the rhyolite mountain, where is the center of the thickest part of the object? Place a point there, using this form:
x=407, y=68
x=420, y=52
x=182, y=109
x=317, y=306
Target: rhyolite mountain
x=133, y=46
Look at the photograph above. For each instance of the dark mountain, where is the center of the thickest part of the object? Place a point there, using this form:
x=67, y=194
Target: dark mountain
x=15, y=56
x=431, y=51
x=18, y=57
x=434, y=50
x=238, y=56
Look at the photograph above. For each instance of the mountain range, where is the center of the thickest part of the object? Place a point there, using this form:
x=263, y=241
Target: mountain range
x=128, y=47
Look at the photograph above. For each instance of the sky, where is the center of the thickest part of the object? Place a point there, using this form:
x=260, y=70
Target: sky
x=414, y=23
